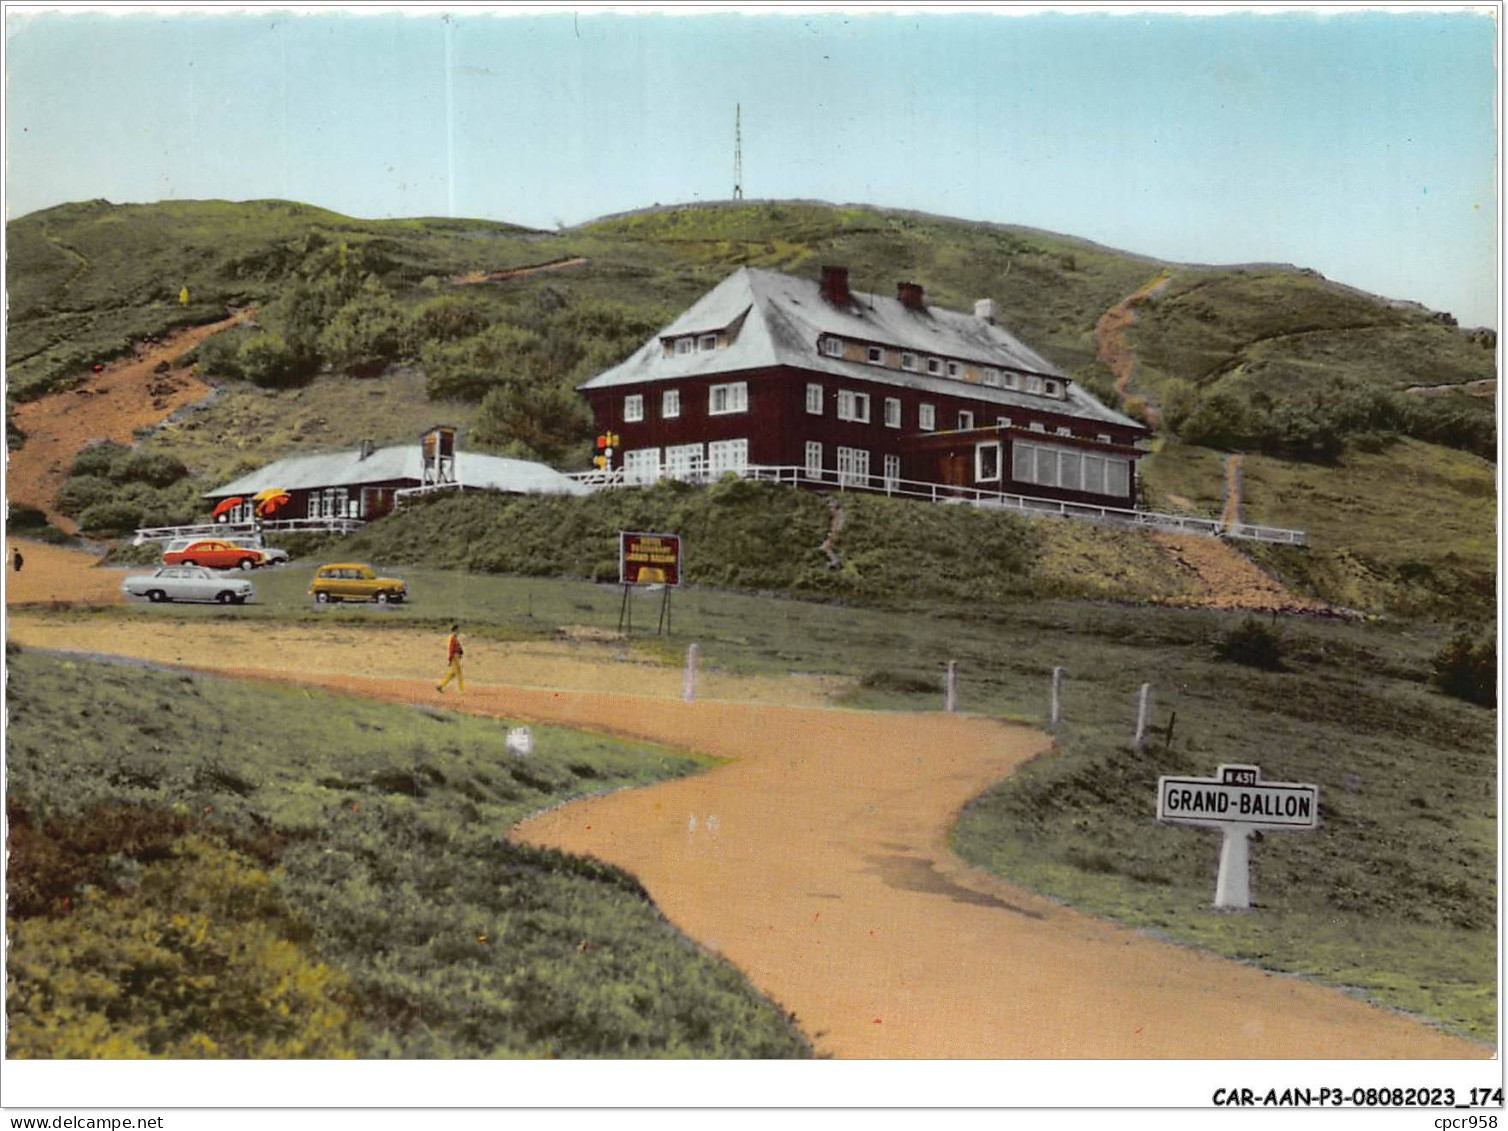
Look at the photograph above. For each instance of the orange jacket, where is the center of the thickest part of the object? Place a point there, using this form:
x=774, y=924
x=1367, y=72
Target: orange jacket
x=453, y=650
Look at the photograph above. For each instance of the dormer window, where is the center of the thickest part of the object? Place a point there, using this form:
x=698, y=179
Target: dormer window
x=990, y=377
x=908, y=361
x=954, y=369
x=684, y=345
x=1052, y=388
x=934, y=366
x=707, y=342
x=1013, y=381
x=832, y=347
x=1034, y=385
x=876, y=355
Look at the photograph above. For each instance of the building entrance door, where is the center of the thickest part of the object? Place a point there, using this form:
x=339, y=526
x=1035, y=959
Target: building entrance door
x=955, y=470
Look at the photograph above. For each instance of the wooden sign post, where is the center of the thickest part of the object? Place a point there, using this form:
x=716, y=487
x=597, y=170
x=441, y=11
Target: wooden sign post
x=1237, y=802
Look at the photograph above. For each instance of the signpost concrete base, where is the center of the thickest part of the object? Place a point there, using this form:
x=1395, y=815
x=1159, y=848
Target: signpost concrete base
x=1233, y=884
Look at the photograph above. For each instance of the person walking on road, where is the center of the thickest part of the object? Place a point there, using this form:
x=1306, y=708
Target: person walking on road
x=453, y=654
x=16, y=559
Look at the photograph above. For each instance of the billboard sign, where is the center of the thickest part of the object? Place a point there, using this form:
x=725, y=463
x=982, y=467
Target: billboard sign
x=647, y=558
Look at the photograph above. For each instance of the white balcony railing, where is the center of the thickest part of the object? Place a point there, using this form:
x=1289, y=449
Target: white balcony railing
x=970, y=496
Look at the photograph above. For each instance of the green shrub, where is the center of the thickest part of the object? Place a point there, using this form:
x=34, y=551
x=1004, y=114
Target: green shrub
x=267, y=361
x=111, y=518
x=1467, y=668
x=24, y=520
x=99, y=460
x=1252, y=643
x=156, y=470
x=196, y=957
x=84, y=491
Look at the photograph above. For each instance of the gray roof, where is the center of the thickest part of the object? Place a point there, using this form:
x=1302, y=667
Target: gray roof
x=776, y=319
x=348, y=469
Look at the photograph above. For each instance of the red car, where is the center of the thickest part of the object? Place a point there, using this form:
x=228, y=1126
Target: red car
x=213, y=553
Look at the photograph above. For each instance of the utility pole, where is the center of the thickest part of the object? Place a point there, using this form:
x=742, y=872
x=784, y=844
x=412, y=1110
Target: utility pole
x=738, y=151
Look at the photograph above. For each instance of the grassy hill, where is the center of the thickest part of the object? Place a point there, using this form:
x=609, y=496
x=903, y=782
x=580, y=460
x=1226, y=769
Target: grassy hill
x=1267, y=359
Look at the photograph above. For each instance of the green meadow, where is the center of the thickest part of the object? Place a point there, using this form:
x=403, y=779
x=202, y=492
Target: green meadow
x=207, y=869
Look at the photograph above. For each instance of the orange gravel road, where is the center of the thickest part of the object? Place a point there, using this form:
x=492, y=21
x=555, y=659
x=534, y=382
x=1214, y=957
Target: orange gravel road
x=817, y=863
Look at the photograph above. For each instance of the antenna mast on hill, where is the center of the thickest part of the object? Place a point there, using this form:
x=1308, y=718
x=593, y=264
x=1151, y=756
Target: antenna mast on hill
x=738, y=151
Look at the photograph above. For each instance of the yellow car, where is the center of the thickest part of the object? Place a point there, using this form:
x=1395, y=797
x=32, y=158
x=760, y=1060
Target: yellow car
x=352, y=581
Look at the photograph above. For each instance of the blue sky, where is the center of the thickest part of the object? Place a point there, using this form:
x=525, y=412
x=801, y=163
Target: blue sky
x=1359, y=144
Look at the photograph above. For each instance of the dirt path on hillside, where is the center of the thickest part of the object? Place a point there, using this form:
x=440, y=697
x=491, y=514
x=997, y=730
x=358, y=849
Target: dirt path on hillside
x=472, y=278
x=1225, y=578
x=110, y=405
x=1116, y=353
x=816, y=861
x=1485, y=389
x=1234, y=507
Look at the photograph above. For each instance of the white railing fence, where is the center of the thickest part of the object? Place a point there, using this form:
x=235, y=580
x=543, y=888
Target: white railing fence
x=796, y=476
x=247, y=529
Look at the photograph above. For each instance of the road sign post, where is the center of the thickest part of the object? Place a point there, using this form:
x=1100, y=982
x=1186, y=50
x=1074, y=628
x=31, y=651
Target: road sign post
x=1237, y=802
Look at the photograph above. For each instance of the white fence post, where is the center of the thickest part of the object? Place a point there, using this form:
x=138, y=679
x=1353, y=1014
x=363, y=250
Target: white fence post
x=1143, y=709
x=688, y=681
x=950, y=693
x=1057, y=698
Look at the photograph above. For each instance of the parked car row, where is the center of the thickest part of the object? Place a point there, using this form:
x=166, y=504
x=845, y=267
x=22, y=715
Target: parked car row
x=190, y=581
x=221, y=553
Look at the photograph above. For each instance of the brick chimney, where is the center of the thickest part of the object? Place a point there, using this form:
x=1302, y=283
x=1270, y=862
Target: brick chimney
x=911, y=295
x=835, y=286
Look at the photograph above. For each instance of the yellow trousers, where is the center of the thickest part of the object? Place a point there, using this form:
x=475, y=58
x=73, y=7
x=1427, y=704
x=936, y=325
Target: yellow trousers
x=454, y=673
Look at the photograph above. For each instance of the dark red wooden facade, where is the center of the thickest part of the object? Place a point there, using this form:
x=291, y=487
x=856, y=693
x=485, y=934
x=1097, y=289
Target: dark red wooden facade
x=778, y=427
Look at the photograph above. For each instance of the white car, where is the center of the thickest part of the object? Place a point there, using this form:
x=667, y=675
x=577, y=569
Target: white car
x=188, y=583
x=271, y=555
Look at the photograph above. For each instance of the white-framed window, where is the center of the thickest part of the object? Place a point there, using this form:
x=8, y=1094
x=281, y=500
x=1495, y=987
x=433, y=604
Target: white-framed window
x=814, y=399
x=684, y=345
x=707, y=342
x=954, y=369
x=892, y=412
x=633, y=408
x=642, y=465
x=990, y=377
x=926, y=417
x=853, y=467
x=1047, y=465
x=1104, y=438
x=670, y=404
x=892, y=472
x=833, y=347
x=1034, y=385
x=908, y=361
x=965, y=420
x=853, y=406
x=1002, y=422
x=1012, y=380
x=814, y=458
x=876, y=355
x=723, y=399
x=934, y=366
x=1037, y=426
x=1064, y=430
x=684, y=461
x=987, y=462
x=727, y=455
x=1052, y=388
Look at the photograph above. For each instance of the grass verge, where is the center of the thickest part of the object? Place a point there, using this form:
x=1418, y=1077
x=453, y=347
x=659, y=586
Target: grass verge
x=357, y=853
